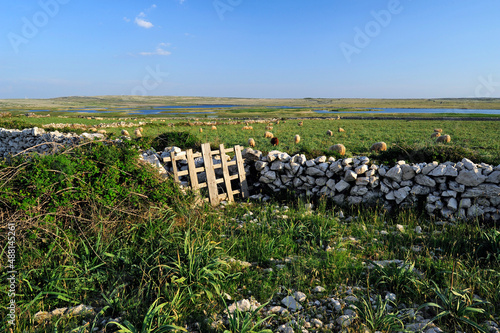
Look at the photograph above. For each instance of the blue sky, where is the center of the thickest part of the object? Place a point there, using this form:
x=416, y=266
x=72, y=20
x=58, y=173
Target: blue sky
x=243, y=48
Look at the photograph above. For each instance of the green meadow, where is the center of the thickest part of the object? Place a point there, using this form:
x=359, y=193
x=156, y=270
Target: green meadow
x=96, y=227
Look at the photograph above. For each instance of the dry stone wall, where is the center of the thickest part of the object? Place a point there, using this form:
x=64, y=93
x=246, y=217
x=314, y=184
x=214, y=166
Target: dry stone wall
x=155, y=158
x=446, y=190
x=36, y=139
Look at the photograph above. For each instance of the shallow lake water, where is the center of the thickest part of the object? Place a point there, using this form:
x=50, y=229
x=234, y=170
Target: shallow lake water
x=396, y=110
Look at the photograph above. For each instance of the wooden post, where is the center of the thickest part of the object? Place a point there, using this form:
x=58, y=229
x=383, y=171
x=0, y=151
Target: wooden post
x=174, y=167
x=209, y=170
x=225, y=173
x=241, y=172
x=193, y=176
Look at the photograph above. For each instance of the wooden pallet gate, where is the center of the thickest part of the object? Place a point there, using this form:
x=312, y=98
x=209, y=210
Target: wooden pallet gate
x=212, y=182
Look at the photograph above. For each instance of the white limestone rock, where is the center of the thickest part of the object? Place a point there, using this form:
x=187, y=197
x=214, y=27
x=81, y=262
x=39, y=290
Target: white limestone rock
x=342, y=185
x=350, y=176
x=421, y=179
x=470, y=177
x=395, y=173
x=291, y=303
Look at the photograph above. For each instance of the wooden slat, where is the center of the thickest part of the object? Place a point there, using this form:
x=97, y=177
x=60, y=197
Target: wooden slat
x=225, y=173
x=193, y=176
x=241, y=172
x=219, y=181
x=209, y=169
x=174, y=167
x=196, y=155
x=167, y=160
x=183, y=173
x=223, y=196
x=202, y=185
x=233, y=177
x=214, y=152
x=229, y=150
x=217, y=166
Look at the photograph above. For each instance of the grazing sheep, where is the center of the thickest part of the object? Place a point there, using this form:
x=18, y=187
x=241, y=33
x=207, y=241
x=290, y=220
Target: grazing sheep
x=214, y=127
x=101, y=131
x=340, y=148
x=330, y=133
x=341, y=130
x=247, y=128
x=379, y=146
x=251, y=142
x=125, y=132
x=435, y=135
x=443, y=139
x=301, y=123
x=201, y=130
x=141, y=129
x=269, y=128
x=439, y=130
x=297, y=138
x=338, y=117
x=138, y=133
x=275, y=141
x=92, y=129
x=269, y=135
x=277, y=122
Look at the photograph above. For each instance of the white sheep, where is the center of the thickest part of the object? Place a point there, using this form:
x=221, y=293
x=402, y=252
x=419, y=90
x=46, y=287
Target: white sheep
x=268, y=135
x=443, y=139
x=379, y=146
x=340, y=148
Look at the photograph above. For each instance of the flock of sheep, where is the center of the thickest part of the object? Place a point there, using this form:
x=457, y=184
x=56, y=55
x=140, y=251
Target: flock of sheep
x=340, y=148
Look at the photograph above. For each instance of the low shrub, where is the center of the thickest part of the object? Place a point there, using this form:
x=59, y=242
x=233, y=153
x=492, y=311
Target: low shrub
x=417, y=153
x=185, y=140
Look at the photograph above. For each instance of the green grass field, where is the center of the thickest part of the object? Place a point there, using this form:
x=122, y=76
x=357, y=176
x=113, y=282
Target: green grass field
x=96, y=227
x=479, y=140
x=93, y=227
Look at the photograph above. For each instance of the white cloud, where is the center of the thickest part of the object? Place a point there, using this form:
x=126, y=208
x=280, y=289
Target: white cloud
x=159, y=50
x=181, y=1
x=126, y=19
x=143, y=23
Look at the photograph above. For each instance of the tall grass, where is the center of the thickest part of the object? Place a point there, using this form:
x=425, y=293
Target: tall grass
x=97, y=228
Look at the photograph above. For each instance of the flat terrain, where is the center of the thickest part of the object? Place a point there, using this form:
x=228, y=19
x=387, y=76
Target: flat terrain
x=141, y=101
x=96, y=227
x=481, y=138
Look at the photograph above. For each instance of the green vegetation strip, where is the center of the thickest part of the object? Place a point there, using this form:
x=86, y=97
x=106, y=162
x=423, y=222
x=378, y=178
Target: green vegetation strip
x=96, y=227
